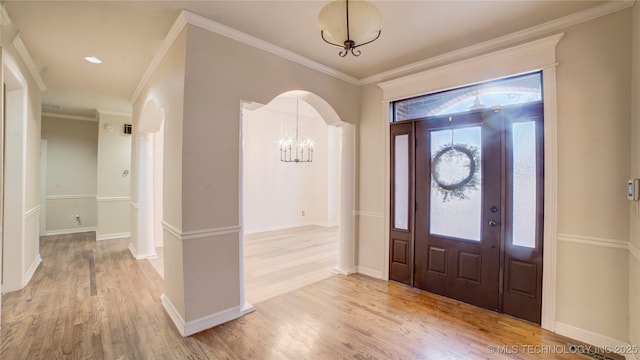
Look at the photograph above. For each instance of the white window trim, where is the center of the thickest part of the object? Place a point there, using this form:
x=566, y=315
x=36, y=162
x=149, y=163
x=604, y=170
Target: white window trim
x=532, y=56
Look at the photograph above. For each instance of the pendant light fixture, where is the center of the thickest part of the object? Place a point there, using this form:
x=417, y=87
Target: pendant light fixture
x=349, y=25
x=294, y=150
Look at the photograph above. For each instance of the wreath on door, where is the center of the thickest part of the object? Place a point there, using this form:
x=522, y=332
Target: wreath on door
x=454, y=169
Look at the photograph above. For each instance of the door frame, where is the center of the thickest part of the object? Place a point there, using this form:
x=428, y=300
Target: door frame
x=538, y=55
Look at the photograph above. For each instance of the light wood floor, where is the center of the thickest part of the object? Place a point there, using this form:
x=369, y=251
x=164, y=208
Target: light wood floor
x=277, y=262
x=92, y=300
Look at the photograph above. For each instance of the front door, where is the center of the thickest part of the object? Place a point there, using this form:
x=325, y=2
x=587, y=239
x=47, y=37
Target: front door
x=478, y=208
x=458, y=201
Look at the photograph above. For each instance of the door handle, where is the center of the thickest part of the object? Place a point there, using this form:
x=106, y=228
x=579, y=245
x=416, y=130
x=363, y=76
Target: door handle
x=493, y=223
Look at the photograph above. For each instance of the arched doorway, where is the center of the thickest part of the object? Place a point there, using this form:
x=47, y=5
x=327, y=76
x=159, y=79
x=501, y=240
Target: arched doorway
x=342, y=143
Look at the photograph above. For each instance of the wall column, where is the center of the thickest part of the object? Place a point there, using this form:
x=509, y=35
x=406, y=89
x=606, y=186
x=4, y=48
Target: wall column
x=346, y=253
x=144, y=240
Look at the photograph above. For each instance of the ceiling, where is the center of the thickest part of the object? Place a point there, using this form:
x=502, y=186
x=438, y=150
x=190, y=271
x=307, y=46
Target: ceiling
x=127, y=34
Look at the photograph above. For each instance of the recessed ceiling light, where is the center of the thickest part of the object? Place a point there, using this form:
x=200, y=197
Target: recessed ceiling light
x=93, y=59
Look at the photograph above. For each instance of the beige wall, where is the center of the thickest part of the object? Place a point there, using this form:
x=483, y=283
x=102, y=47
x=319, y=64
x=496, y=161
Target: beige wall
x=593, y=83
x=72, y=148
x=114, y=180
x=634, y=211
x=166, y=88
x=220, y=73
x=371, y=240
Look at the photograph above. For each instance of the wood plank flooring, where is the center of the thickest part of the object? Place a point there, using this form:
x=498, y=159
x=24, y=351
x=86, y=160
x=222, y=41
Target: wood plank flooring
x=277, y=262
x=111, y=310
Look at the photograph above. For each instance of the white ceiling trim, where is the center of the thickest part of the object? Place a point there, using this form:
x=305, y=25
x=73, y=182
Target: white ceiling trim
x=507, y=40
x=255, y=42
x=68, y=117
x=28, y=61
x=4, y=16
x=112, y=113
x=172, y=35
x=519, y=59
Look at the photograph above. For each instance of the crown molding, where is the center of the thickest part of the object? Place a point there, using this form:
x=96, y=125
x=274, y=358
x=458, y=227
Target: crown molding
x=4, y=16
x=499, y=42
x=112, y=113
x=171, y=37
x=68, y=117
x=255, y=42
x=186, y=17
x=28, y=61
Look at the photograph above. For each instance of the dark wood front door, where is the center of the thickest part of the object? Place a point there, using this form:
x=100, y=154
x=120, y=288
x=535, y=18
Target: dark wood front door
x=475, y=227
x=457, y=184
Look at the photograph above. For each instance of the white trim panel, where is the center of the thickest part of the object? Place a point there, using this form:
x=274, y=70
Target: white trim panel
x=372, y=214
x=204, y=323
x=369, y=272
x=32, y=270
x=596, y=241
x=68, y=117
x=113, y=113
x=519, y=59
x=22, y=50
x=601, y=341
x=70, y=231
x=634, y=250
x=112, y=198
x=113, y=236
x=200, y=234
x=70, y=197
x=507, y=40
x=171, y=37
x=257, y=43
x=32, y=211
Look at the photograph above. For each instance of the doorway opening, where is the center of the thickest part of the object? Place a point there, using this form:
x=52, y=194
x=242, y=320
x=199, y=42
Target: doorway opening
x=467, y=195
x=291, y=210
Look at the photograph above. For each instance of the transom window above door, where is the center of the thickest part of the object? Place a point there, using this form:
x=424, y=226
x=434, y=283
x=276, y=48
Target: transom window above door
x=519, y=89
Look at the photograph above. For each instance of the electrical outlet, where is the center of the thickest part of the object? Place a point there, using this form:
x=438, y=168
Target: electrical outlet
x=302, y=212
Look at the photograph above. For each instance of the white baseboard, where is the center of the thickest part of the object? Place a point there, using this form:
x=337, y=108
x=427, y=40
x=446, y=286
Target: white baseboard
x=32, y=270
x=602, y=342
x=70, y=231
x=338, y=270
x=369, y=272
x=279, y=227
x=204, y=323
x=134, y=253
x=132, y=250
x=113, y=236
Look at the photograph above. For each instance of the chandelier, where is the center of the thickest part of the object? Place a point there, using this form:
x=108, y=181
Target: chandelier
x=350, y=25
x=293, y=150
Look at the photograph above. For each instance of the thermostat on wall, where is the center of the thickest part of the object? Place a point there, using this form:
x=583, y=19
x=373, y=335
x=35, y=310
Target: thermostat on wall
x=632, y=189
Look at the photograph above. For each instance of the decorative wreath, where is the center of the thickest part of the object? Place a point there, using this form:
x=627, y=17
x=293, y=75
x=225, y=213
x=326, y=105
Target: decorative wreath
x=459, y=188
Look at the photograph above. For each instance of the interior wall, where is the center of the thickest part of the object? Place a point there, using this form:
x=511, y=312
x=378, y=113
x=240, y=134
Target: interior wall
x=593, y=82
x=22, y=172
x=71, y=179
x=276, y=193
x=113, y=177
x=634, y=207
x=166, y=88
x=220, y=74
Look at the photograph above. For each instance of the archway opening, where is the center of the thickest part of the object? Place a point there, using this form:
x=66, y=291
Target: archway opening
x=293, y=213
